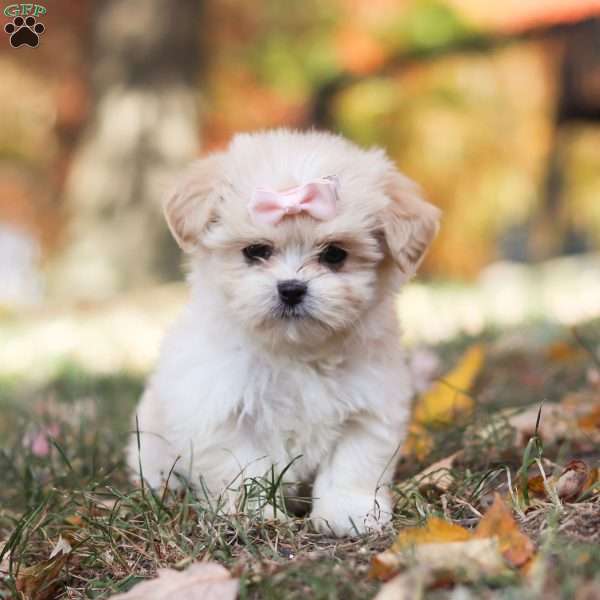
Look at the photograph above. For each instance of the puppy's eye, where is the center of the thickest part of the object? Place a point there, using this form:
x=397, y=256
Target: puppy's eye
x=333, y=256
x=256, y=252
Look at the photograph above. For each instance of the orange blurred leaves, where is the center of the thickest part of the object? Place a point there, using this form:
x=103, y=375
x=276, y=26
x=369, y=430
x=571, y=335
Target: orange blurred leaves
x=358, y=51
x=448, y=552
x=447, y=401
x=498, y=521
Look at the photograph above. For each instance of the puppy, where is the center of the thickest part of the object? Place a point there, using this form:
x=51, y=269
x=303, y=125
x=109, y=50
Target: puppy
x=288, y=354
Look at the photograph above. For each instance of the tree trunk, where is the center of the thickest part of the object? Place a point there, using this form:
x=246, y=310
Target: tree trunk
x=144, y=128
x=552, y=231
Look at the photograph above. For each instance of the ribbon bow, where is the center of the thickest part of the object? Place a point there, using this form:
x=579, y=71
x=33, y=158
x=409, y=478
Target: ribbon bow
x=316, y=198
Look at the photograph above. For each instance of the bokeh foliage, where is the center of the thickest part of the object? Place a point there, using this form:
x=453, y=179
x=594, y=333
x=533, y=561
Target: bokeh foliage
x=464, y=107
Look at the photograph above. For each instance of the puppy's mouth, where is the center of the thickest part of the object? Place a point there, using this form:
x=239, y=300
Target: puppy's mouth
x=284, y=312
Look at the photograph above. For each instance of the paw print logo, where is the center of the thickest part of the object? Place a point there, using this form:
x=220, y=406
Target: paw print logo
x=24, y=32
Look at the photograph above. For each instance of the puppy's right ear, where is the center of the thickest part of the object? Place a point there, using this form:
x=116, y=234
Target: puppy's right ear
x=189, y=208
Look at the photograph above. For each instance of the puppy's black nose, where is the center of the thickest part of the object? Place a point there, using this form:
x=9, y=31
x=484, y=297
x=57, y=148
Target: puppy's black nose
x=291, y=291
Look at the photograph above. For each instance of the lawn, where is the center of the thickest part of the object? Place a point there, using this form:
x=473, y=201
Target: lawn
x=64, y=478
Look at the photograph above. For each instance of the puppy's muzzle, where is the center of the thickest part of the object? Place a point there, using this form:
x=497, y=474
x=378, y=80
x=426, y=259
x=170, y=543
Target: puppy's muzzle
x=291, y=291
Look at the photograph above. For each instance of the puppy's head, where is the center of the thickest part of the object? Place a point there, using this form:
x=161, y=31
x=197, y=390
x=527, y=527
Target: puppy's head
x=302, y=278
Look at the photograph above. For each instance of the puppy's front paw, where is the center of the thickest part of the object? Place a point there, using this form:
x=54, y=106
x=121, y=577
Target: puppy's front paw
x=351, y=514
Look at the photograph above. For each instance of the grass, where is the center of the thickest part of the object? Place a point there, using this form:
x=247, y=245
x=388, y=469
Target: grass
x=120, y=534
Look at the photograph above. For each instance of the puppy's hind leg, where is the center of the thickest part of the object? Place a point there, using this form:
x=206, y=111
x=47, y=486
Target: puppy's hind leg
x=240, y=476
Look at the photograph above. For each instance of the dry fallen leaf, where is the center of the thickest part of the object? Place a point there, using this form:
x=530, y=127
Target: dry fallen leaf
x=443, y=552
x=536, y=486
x=435, y=531
x=448, y=398
x=554, y=424
x=419, y=442
x=591, y=420
x=450, y=562
x=445, y=401
x=41, y=581
x=499, y=522
x=573, y=418
x=562, y=351
x=576, y=478
x=63, y=546
x=438, y=474
x=74, y=520
x=200, y=581
x=406, y=586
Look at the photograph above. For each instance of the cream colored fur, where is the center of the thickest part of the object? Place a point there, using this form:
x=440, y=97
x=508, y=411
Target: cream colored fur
x=238, y=388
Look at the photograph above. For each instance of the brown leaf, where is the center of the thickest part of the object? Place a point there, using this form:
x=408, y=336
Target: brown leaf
x=385, y=565
x=536, y=486
x=562, y=351
x=573, y=418
x=499, y=522
x=591, y=420
x=435, y=531
x=63, y=547
x=555, y=423
x=438, y=474
x=74, y=520
x=446, y=562
x=576, y=478
x=407, y=586
x=42, y=580
x=200, y=581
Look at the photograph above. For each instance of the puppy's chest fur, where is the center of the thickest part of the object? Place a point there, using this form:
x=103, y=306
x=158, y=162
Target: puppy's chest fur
x=289, y=405
x=299, y=408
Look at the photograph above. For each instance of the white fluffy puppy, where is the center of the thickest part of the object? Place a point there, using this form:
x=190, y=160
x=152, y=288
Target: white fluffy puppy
x=289, y=347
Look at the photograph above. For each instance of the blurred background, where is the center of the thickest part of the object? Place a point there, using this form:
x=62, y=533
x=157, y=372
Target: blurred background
x=494, y=107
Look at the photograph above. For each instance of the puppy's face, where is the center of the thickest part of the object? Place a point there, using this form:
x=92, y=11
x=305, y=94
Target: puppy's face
x=300, y=280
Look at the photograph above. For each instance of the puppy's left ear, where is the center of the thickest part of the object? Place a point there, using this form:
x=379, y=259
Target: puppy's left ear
x=189, y=208
x=409, y=223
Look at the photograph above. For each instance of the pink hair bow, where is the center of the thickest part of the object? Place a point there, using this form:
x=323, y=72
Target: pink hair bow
x=316, y=198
